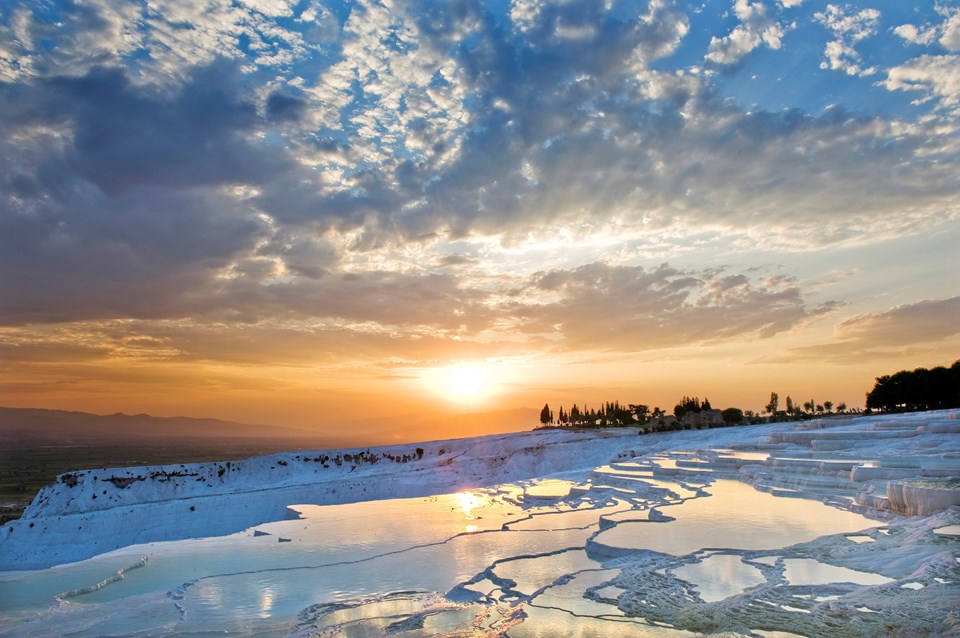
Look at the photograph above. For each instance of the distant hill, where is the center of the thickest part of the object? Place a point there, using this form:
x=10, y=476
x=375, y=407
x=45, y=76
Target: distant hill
x=39, y=427
x=33, y=426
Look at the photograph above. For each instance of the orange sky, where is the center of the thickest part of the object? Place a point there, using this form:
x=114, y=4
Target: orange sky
x=375, y=397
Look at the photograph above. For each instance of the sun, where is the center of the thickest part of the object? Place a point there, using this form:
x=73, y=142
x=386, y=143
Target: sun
x=462, y=383
x=468, y=382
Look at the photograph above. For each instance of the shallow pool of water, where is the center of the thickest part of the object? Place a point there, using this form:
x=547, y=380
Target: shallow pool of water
x=549, y=490
x=806, y=571
x=405, y=567
x=720, y=576
x=734, y=516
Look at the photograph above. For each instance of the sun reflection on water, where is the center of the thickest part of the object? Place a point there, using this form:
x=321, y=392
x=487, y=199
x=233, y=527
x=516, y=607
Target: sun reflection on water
x=468, y=501
x=266, y=602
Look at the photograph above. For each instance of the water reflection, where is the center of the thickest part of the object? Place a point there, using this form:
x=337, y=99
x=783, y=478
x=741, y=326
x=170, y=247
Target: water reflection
x=372, y=565
x=720, y=576
x=468, y=501
x=736, y=516
x=266, y=602
x=806, y=571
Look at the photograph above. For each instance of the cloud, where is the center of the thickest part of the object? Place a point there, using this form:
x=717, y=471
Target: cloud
x=181, y=172
x=124, y=137
x=947, y=33
x=116, y=200
x=936, y=75
x=282, y=107
x=756, y=27
x=929, y=320
x=855, y=26
x=141, y=254
x=172, y=277
x=389, y=320
x=950, y=32
x=18, y=350
x=267, y=343
x=558, y=128
x=631, y=309
x=162, y=41
x=273, y=8
x=421, y=124
x=124, y=201
x=921, y=327
x=848, y=29
x=912, y=34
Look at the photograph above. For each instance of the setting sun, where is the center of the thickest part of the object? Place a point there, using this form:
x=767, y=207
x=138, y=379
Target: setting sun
x=462, y=383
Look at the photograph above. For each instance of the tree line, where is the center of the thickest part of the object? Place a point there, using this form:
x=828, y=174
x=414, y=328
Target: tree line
x=615, y=414
x=793, y=411
x=905, y=391
x=916, y=390
x=610, y=414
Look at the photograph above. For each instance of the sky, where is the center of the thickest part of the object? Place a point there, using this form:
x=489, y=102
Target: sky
x=336, y=214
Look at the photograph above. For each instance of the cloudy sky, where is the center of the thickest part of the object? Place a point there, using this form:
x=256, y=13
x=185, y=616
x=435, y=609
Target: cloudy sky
x=309, y=212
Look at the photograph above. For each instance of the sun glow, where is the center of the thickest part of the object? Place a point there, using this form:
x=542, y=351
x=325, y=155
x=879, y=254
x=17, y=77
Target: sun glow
x=462, y=383
x=468, y=501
